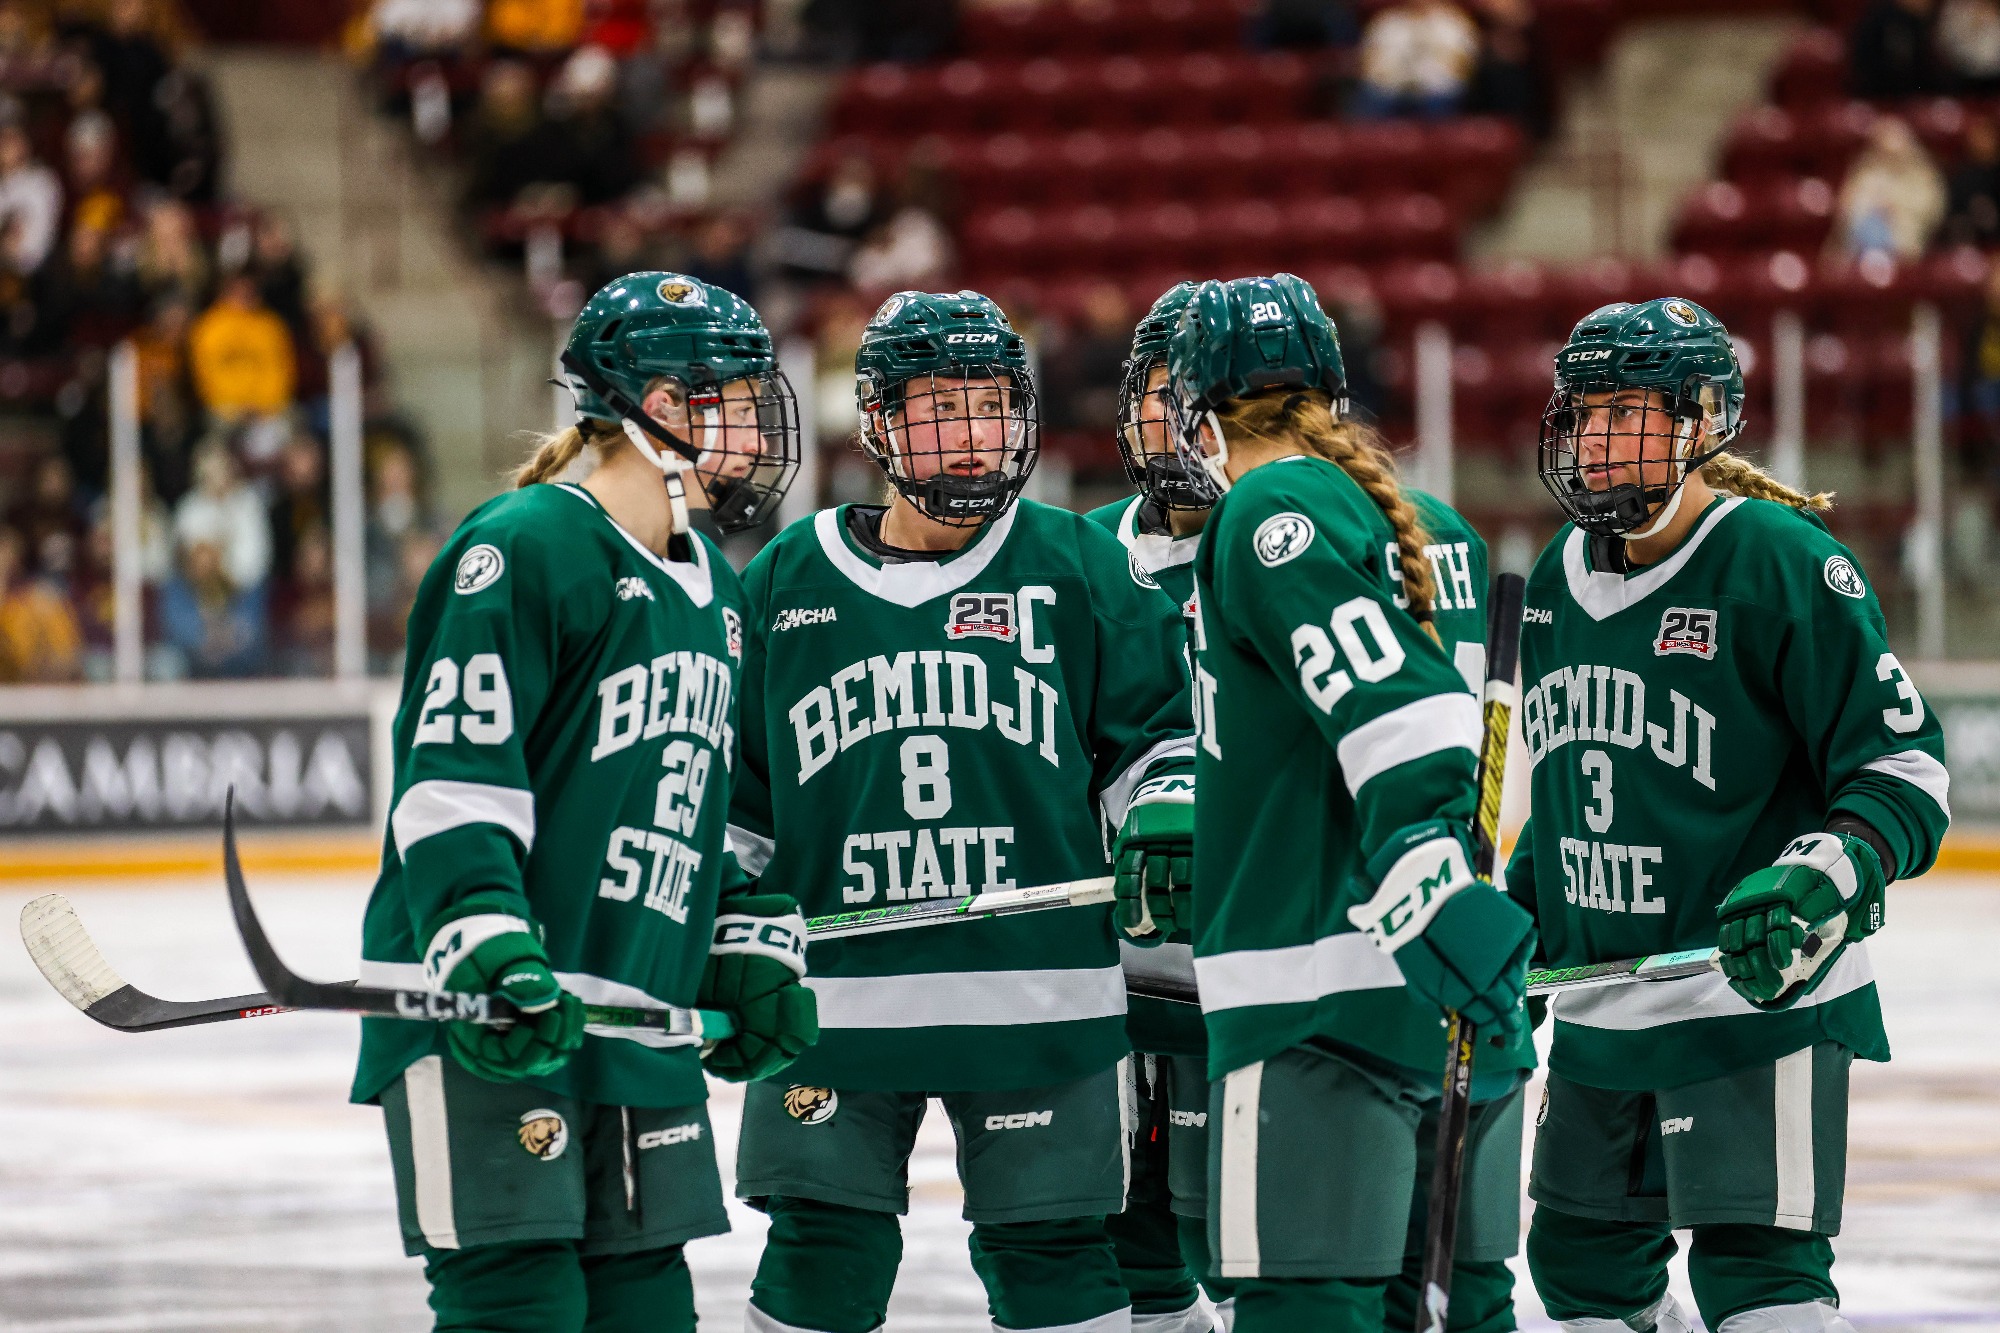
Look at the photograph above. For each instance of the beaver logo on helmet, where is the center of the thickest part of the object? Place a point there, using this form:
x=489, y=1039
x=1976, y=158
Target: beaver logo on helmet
x=679, y=291
x=1681, y=313
x=811, y=1106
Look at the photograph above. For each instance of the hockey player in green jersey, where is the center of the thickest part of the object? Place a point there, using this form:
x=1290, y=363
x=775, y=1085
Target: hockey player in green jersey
x=1726, y=752
x=1335, y=910
x=950, y=694
x=558, y=835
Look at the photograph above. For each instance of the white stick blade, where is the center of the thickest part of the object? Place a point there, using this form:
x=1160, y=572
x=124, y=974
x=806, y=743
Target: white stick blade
x=63, y=950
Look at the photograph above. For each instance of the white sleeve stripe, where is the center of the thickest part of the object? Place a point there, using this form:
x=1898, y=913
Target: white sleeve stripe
x=1441, y=722
x=1920, y=770
x=1117, y=793
x=438, y=805
x=753, y=850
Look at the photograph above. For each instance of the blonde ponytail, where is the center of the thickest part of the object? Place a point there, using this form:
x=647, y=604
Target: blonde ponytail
x=554, y=453
x=1740, y=476
x=1306, y=419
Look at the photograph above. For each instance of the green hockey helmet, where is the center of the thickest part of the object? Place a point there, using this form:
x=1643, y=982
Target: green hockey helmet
x=947, y=404
x=1238, y=337
x=1152, y=463
x=1653, y=388
x=736, y=411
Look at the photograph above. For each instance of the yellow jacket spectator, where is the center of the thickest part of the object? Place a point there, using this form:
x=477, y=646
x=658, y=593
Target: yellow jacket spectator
x=241, y=355
x=534, y=26
x=39, y=639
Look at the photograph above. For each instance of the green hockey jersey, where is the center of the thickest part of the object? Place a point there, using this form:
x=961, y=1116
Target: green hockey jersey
x=566, y=735
x=1327, y=719
x=1685, y=721
x=927, y=729
x=1157, y=558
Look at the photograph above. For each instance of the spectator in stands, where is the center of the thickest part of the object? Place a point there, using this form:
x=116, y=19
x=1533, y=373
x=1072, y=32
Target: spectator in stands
x=1417, y=59
x=827, y=226
x=90, y=297
x=49, y=520
x=133, y=64
x=91, y=164
x=31, y=200
x=279, y=270
x=394, y=513
x=1893, y=198
x=410, y=30
x=1972, y=213
x=1968, y=44
x=168, y=410
x=223, y=511
x=1889, y=50
x=1504, y=82
x=93, y=597
x=39, y=639
x=388, y=619
x=302, y=609
x=1305, y=25
x=172, y=260
x=193, y=156
x=622, y=247
x=1083, y=374
x=242, y=355
x=508, y=145
x=595, y=148
x=218, y=625
x=534, y=27
x=1979, y=385
x=26, y=53
x=301, y=504
x=721, y=255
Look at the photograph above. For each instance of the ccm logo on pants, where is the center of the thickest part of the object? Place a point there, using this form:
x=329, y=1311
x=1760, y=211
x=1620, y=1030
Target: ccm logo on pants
x=666, y=1138
x=1020, y=1120
x=1676, y=1124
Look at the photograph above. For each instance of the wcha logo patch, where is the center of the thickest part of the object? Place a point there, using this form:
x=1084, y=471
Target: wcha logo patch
x=632, y=586
x=984, y=615
x=544, y=1134
x=792, y=617
x=1844, y=578
x=1282, y=537
x=811, y=1106
x=1686, y=629
x=478, y=568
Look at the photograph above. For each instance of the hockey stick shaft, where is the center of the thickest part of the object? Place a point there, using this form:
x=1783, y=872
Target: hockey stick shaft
x=1503, y=652
x=293, y=991
x=972, y=907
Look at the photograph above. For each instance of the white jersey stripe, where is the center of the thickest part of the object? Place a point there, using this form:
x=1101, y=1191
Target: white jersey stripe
x=1921, y=771
x=753, y=850
x=1441, y=722
x=1792, y=1109
x=438, y=805
x=970, y=999
x=1297, y=974
x=585, y=986
x=430, y=1151
x=1659, y=1003
x=1239, y=1253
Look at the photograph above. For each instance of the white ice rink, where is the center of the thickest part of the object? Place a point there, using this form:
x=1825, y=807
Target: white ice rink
x=216, y=1178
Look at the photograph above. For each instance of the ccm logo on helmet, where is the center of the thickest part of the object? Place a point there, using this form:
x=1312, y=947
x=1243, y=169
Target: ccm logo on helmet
x=1599, y=354
x=1020, y=1120
x=972, y=338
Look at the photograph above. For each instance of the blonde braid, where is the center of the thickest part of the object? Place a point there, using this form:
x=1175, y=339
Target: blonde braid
x=1740, y=476
x=1282, y=418
x=553, y=455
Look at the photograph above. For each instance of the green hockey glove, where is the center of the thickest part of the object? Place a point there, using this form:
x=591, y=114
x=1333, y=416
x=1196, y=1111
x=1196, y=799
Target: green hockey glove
x=1153, y=860
x=1461, y=944
x=756, y=971
x=1783, y=926
x=482, y=949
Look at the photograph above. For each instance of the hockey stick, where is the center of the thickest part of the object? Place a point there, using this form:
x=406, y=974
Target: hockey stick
x=293, y=991
x=58, y=944
x=1503, y=652
x=972, y=907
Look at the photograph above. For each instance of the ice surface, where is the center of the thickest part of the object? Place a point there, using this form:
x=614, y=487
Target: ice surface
x=215, y=1177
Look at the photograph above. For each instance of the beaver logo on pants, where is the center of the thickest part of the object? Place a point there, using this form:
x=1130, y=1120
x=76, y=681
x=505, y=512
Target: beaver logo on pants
x=811, y=1106
x=544, y=1134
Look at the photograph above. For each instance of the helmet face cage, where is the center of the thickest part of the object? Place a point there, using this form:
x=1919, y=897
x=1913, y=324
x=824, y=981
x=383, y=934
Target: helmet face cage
x=1655, y=428
x=1154, y=462
x=959, y=444
x=748, y=435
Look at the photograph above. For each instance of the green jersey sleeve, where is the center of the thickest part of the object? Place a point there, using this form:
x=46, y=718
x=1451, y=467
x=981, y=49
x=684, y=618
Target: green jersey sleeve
x=1877, y=748
x=481, y=669
x=750, y=824
x=1308, y=596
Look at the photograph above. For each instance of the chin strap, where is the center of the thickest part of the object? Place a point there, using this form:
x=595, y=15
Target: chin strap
x=673, y=456
x=673, y=467
x=1673, y=504
x=1216, y=465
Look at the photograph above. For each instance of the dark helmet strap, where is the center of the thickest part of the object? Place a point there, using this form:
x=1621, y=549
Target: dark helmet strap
x=621, y=403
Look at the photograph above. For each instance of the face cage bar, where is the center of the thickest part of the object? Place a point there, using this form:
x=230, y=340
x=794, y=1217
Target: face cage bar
x=740, y=501
x=1164, y=477
x=1625, y=507
x=955, y=501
